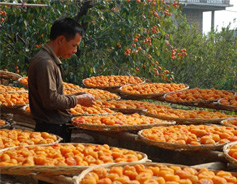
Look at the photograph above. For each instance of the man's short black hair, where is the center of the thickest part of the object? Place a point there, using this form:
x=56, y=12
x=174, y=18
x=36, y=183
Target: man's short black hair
x=67, y=27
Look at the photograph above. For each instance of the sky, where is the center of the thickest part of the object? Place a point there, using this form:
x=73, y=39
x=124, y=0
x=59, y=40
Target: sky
x=222, y=18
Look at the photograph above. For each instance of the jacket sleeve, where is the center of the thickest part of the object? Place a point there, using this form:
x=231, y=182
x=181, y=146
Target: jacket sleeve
x=46, y=83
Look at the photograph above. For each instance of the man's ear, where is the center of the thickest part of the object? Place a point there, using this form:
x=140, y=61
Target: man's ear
x=60, y=39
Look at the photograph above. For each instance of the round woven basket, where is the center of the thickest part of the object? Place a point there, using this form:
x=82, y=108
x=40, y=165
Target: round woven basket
x=12, y=107
x=144, y=96
x=22, y=83
x=110, y=87
x=9, y=75
x=172, y=146
x=202, y=103
x=59, y=139
x=226, y=150
x=189, y=103
x=186, y=120
x=226, y=122
x=56, y=170
x=79, y=178
x=226, y=107
x=118, y=128
x=5, y=126
x=100, y=87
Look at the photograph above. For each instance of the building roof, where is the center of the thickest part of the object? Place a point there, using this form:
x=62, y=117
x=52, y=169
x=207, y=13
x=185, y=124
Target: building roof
x=205, y=5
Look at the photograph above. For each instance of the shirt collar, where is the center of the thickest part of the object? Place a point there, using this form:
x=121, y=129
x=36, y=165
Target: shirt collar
x=52, y=53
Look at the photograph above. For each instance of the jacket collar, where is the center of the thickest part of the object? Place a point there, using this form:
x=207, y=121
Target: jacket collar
x=51, y=52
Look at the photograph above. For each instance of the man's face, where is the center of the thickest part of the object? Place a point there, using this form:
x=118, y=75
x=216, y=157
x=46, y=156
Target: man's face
x=68, y=48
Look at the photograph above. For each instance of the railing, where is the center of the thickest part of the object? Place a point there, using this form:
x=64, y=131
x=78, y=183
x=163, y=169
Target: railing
x=215, y=2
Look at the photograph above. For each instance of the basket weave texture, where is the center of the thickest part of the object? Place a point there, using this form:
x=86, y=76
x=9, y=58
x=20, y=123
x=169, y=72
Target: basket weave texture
x=227, y=122
x=226, y=149
x=9, y=75
x=226, y=107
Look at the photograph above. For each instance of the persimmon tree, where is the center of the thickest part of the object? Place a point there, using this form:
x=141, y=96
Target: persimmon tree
x=127, y=37
x=130, y=38
x=24, y=30
x=211, y=60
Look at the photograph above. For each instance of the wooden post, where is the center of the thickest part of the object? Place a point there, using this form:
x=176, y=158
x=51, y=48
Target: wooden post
x=23, y=4
x=212, y=20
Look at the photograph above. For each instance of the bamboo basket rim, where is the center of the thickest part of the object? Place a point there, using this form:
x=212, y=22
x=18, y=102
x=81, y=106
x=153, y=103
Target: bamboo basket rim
x=229, y=107
x=78, y=178
x=226, y=149
x=186, y=120
x=20, y=91
x=111, y=87
x=9, y=75
x=224, y=122
x=172, y=146
x=146, y=95
x=118, y=127
x=15, y=147
x=24, y=110
x=6, y=125
x=14, y=91
x=56, y=170
x=14, y=106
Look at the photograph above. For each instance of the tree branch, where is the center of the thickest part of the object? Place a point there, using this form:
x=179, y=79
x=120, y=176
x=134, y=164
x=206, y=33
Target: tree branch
x=86, y=5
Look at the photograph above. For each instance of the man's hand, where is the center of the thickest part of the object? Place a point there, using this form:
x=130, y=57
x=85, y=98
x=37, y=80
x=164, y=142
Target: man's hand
x=85, y=99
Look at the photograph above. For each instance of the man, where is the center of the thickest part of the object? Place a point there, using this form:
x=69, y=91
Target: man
x=48, y=104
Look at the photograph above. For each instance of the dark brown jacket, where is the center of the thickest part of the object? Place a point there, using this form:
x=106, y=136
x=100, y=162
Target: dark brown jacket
x=48, y=104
